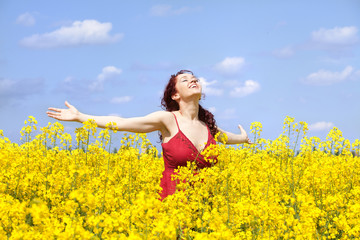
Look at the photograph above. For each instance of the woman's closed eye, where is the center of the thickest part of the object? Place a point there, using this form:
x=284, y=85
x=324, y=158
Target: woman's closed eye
x=191, y=80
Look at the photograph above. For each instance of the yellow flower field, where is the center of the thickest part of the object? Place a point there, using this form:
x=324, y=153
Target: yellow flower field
x=293, y=187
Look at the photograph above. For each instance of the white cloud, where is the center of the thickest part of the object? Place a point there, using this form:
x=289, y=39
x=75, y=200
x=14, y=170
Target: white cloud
x=83, y=88
x=323, y=77
x=26, y=19
x=336, y=36
x=6, y=85
x=154, y=66
x=321, y=126
x=212, y=109
x=69, y=79
x=285, y=52
x=249, y=87
x=230, y=65
x=11, y=89
x=160, y=10
x=229, y=113
x=107, y=73
x=167, y=10
x=73, y=86
x=231, y=83
x=79, y=33
x=355, y=76
x=119, y=100
x=210, y=90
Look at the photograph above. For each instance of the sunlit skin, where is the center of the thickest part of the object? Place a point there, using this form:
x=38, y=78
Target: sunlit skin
x=188, y=95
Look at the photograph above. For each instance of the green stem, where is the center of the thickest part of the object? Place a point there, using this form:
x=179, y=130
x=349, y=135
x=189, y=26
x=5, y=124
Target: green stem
x=110, y=142
x=87, y=146
x=227, y=200
x=297, y=138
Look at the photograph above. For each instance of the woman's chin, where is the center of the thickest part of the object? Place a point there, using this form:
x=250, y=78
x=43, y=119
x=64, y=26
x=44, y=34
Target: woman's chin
x=197, y=95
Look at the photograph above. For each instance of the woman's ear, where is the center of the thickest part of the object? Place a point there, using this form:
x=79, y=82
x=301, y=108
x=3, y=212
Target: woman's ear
x=175, y=97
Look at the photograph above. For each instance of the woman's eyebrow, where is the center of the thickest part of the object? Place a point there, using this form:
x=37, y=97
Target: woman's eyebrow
x=187, y=78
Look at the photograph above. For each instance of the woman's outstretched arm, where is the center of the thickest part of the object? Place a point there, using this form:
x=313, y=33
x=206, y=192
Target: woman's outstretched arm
x=149, y=123
x=233, y=138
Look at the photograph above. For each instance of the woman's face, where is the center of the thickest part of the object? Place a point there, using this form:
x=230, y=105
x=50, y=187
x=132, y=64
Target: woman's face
x=187, y=85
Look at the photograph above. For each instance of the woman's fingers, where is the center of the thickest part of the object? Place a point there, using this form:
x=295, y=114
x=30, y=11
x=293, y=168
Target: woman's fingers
x=59, y=109
x=54, y=115
x=68, y=104
x=243, y=132
x=67, y=114
x=54, y=109
x=63, y=114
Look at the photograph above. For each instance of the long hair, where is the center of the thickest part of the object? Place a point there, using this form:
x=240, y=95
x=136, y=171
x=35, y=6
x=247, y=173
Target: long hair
x=170, y=105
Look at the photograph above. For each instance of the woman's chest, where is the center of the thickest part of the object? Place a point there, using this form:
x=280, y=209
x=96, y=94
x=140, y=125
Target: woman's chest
x=198, y=136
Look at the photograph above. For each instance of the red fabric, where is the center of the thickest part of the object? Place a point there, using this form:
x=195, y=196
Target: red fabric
x=177, y=152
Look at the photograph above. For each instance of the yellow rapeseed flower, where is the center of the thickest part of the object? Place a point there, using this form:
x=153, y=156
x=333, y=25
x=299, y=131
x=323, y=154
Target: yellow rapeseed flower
x=50, y=190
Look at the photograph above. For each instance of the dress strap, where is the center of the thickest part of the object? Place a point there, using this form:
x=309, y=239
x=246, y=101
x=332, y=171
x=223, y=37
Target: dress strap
x=176, y=121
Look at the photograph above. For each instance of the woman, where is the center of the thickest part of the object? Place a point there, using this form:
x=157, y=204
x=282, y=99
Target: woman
x=186, y=128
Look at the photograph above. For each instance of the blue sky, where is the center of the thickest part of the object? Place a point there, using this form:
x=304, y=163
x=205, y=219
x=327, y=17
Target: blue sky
x=258, y=60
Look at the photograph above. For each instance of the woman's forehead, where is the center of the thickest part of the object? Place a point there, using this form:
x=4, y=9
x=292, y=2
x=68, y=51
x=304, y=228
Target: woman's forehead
x=185, y=76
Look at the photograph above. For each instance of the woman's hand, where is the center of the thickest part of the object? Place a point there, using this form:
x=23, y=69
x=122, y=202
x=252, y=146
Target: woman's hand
x=244, y=135
x=70, y=114
x=233, y=138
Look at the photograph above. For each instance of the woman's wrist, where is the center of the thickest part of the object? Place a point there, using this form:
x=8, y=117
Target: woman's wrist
x=80, y=117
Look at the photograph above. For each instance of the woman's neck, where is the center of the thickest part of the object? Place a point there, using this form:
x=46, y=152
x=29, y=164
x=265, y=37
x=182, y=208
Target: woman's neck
x=189, y=110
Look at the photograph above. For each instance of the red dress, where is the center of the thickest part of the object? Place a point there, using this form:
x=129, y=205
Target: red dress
x=177, y=152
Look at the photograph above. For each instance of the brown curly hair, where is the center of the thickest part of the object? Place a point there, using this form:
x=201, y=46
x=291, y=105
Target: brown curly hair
x=170, y=105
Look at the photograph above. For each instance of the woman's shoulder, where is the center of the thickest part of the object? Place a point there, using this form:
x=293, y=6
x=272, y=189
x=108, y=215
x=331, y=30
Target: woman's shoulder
x=163, y=115
x=167, y=119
